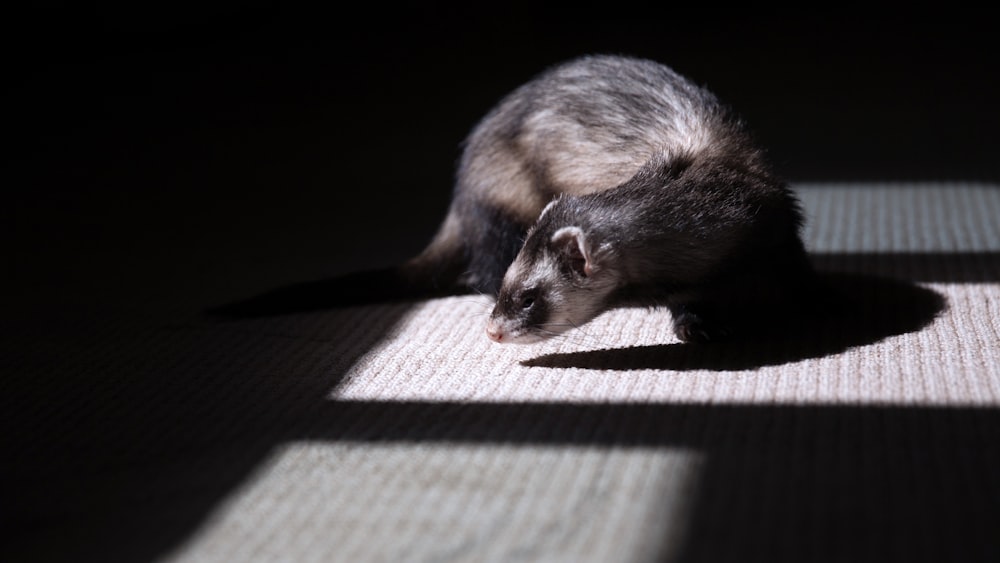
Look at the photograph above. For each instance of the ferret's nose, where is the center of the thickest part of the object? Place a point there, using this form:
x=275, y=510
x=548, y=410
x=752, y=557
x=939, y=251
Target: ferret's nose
x=494, y=332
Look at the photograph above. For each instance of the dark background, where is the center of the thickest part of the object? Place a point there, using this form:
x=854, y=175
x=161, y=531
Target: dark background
x=345, y=126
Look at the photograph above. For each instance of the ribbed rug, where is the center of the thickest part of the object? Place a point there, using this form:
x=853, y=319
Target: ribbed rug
x=399, y=432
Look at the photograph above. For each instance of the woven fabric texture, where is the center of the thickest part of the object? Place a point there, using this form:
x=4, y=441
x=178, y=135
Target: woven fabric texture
x=135, y=429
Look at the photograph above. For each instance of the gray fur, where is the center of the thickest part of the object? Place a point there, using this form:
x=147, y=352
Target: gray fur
x=582, y=127
x=604, y=179
x=662, y=183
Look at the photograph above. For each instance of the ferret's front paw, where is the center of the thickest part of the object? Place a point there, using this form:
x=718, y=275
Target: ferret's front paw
x=691, y=328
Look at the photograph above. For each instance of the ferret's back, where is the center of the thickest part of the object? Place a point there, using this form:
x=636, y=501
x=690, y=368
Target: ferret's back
x=589, y=125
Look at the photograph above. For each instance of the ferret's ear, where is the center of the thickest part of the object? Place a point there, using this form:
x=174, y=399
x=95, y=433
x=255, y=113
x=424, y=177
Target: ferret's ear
x=572, y=244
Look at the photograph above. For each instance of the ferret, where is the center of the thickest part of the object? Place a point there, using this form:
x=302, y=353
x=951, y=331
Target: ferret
x=603, y=180
x=608, y=177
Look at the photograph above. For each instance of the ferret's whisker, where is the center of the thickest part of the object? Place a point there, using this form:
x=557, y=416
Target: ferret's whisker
x=577, y=334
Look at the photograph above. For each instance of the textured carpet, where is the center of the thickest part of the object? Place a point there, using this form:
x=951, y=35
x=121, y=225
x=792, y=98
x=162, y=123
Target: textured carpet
x=136, y=429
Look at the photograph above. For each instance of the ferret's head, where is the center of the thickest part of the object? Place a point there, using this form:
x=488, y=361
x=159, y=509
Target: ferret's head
x=561, y=279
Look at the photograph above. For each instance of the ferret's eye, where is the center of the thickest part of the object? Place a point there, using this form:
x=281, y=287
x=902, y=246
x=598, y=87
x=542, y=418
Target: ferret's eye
x=528, y=299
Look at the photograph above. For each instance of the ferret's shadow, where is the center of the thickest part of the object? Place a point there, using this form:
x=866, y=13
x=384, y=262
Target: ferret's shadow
x=851, y=310
x=366, y=287
x=856, y=310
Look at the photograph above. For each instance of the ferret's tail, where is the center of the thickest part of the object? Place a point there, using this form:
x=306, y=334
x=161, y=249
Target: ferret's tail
x=436, y=272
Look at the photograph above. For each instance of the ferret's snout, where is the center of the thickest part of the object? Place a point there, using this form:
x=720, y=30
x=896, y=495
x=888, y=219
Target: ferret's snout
x=494, y=331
